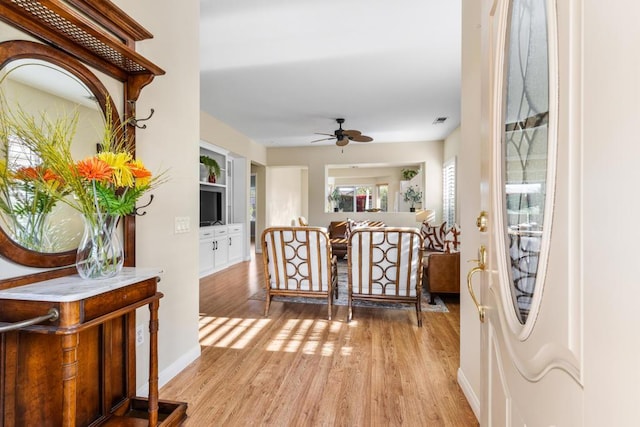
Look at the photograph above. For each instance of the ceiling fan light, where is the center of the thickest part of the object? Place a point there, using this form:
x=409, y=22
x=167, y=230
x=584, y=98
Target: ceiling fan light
x=341, y=142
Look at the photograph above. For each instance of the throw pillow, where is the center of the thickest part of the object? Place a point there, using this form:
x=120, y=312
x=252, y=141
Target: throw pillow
x=433, y=236
x=452, y=239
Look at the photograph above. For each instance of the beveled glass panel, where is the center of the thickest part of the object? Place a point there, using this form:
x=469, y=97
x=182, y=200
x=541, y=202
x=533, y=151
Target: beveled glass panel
x=525, y=147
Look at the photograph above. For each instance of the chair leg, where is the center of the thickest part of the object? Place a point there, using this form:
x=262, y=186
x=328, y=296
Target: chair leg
x=329, y=306
x=419, y=313
x=267, y=303
x=350, y=315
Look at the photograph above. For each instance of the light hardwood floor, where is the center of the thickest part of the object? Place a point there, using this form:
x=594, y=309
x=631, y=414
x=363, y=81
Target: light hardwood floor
x=296, y=368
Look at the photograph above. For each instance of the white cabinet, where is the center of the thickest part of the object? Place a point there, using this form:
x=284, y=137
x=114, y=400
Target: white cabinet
x=213, y=249
x=236, y=237
x=220, y=246
x=206, y=256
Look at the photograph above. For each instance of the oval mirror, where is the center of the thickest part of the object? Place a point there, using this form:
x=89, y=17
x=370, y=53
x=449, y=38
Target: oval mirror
x=40, y=81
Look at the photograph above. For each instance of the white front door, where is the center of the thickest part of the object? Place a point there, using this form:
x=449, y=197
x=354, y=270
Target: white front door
x=529, y=285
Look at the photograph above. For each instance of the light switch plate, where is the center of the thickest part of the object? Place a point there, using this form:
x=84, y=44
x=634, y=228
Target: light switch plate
x=182, y=224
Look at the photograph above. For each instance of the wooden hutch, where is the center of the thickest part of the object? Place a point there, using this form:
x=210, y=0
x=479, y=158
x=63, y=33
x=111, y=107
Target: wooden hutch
x=67, y=346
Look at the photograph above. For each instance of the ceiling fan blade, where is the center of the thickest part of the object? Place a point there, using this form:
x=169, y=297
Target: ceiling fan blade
x=323, y=139
x=328, y=134
x=361, y=138
x=351, y=133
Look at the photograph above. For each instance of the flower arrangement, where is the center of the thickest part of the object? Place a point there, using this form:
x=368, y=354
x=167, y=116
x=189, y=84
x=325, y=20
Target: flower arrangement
x=413, y=195
x=108, y=183
x=26, y=202
x=102, y=187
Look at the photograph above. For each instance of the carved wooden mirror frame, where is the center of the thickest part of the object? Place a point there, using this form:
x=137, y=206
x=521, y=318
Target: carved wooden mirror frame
x=77, y=32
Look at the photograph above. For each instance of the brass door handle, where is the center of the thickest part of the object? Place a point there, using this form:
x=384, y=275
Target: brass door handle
x=482, y=264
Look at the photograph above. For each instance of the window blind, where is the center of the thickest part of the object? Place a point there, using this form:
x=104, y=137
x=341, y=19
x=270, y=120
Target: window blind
x=449, y=191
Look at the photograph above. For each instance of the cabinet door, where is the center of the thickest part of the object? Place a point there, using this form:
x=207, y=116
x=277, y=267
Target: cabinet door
x=235, y=248
x=206, y=252
x=221, y=250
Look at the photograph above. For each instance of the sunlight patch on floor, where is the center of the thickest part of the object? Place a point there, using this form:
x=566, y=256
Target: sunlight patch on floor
x=307, y=336
x=229, y=332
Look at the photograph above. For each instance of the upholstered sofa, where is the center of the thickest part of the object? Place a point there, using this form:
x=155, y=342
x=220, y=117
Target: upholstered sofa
x=339, y=233
x=441, y=259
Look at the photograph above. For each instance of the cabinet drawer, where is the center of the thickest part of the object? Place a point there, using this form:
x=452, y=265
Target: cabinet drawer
x=220, y=231
x=235, y=228
x=206, y=233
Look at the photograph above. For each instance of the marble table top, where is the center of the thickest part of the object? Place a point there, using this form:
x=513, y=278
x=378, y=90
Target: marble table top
x=75, y=288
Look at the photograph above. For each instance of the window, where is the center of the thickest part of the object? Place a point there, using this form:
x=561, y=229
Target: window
x=252, y=198
x=449, y=191
x=19, y=155
x=383, y=197
x=360, y=198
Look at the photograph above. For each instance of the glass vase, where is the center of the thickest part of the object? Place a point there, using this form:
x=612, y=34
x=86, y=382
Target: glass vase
x=100, y=254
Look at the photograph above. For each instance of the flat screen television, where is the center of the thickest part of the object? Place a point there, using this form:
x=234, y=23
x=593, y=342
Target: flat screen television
x=210, y=208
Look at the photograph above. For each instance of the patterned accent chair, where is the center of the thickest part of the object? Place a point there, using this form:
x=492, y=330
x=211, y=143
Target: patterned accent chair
x=385, y=264
x=441, y=260
x=298, y=262
x=339, y=233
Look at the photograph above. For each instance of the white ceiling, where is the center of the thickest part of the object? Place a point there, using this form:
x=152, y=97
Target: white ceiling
x=280, y=70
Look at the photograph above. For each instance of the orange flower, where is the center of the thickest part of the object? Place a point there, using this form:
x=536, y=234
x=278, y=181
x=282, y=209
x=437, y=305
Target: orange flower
x=50, y=175
x=142, y=174
x=27, y=173
x=94, y=169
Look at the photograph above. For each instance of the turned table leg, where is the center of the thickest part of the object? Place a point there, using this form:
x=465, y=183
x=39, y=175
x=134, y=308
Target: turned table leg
x=153, y=363
x=69, y=378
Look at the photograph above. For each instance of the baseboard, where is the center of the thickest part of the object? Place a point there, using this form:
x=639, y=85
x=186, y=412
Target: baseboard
x=471, y=396
x=172, y=370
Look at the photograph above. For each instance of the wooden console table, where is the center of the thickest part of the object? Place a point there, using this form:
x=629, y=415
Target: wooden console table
x=79, y=368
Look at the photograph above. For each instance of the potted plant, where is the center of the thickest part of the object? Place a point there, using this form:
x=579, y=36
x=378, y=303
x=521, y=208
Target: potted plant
x=213, y=168
x=413, y=196
x=407, y=174
x=334, y=198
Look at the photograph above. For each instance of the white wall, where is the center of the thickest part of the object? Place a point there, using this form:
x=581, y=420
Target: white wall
x=284, y=198
x=315, y=158
x=219, y=133
x=610, y=153
x=171, y=141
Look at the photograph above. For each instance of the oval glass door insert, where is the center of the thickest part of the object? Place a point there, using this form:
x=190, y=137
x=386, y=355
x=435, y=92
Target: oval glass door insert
x=525, y=147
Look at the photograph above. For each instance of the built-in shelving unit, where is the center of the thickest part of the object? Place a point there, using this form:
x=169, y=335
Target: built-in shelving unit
x=222, y=237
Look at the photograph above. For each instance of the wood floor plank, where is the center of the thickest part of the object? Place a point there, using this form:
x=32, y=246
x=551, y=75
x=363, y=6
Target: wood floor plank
x=296, y=368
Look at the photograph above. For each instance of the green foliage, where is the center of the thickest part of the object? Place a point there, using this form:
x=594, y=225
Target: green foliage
x=335, y=195
x=212, y=165
x=118, y=204
x=413, y=195
x=408, y=174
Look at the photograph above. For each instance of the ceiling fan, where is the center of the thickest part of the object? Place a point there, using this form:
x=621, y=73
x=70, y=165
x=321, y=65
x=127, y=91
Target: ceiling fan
x=343, y=136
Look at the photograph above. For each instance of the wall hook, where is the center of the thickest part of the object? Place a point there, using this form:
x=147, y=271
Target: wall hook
x=143, y=206
x=132, y=121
